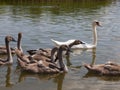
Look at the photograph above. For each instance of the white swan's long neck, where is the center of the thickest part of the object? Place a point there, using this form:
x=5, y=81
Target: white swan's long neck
x=9, y=58
x=94, y=35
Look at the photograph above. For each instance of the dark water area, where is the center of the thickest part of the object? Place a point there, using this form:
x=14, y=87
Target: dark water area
x=41, y=20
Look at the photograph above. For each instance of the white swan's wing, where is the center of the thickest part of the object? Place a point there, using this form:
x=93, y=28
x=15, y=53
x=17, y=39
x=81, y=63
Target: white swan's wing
x=58, y=43
x=83, y=46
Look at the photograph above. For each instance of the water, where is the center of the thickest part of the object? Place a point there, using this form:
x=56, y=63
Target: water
x=41, y=20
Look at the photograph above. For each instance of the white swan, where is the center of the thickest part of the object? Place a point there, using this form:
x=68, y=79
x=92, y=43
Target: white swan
x=84, y=45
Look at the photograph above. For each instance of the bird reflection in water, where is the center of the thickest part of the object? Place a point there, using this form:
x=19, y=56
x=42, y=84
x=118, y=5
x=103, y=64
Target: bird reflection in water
x=74, y=52
x=101, y=77
x=59, y=81
x=8, y=73
x=57, y=78
x=68, y=60
x=79, y=52
x=93, y=56
x=24, y=75
x=8, y=83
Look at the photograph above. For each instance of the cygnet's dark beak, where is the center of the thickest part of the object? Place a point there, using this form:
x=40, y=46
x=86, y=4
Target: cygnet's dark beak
x=14, y=40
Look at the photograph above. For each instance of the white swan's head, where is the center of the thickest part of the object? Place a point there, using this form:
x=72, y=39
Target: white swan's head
x=96, y=23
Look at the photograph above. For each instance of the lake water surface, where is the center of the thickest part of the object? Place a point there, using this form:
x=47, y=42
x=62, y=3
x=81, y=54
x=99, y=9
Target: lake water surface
x=41, y=20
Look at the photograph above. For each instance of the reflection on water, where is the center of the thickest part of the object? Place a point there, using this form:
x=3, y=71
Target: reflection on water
x=24, y=75
x=57, y=78
x=40, y=20
x=8, y=83
x=60, y=81
x=100, y=77
x=76, y=52
x=93, y=56
x=35, y=8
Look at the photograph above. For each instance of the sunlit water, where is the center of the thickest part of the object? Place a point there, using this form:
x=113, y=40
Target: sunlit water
x=39, y=21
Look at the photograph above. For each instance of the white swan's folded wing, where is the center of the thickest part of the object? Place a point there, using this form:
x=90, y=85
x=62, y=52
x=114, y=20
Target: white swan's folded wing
x=83, y=46
x=58, y=43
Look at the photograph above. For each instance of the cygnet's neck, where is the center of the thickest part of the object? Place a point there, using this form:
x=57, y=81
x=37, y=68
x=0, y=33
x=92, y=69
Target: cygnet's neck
x=61, y=62
x=9, y=58
x=53, y=51
x=19, y=43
